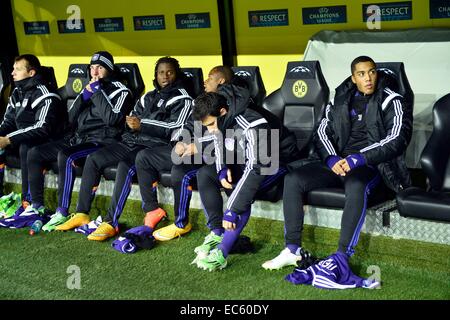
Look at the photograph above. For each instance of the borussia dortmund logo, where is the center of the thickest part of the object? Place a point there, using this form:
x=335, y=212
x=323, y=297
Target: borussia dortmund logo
x=77, y=85
x=299, y=89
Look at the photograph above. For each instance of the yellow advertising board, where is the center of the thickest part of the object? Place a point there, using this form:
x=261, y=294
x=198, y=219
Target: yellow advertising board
x=146, y=27
x=268, y=33
x=271, y=33
x=289, y=34
x=133, y=31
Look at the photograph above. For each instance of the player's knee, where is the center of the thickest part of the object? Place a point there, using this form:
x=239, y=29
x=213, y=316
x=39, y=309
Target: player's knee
x=91, y=161
x=355, y=188
x=143, y=159
x=62, y=158
x=33, y=155
x=177, y=173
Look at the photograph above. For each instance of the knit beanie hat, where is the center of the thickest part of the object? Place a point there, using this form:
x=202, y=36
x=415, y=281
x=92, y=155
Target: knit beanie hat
x=103, y=58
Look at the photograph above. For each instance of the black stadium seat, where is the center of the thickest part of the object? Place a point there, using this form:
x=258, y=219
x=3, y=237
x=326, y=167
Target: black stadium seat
x=77, y=78
x=5, y=88
x=194, y=81
x=335, y=197
x=252, y=77
x=432, y=204
x=300, y=101
x=401, y=85
x=130, y=76
x=48, y=73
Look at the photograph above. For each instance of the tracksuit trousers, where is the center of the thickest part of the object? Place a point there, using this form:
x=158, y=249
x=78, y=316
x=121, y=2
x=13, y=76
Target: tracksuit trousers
x=184, y=179
x=246, y=184
x=68, y=157
x=149, y=164
x=146, y=162
x=23, y=152
x=358, y=183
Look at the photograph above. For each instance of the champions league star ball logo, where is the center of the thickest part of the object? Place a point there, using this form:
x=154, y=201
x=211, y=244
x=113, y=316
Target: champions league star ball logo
x=243, y=73
x=77, y=71
x=387, y=71
x=188, y=74
x=300, y=69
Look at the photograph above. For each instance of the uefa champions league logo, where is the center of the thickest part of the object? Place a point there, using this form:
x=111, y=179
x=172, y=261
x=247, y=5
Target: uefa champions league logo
x=243, y=73
x=387, y=71
x=77, y=71
x=300, y=69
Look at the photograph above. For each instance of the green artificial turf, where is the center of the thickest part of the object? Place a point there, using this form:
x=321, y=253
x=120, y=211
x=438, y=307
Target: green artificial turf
x=39, y=267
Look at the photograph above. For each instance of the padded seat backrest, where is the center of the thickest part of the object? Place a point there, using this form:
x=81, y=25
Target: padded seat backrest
x=194, y=81
x=435, y=158
x=5, y=88
x=78, y=77
x=48, y=74
x=300, y=101
x=130, y=75
x=251, y=75
x=397, y=71
x=4, y=77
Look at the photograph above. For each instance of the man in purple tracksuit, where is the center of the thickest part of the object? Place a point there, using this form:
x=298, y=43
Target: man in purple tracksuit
x=250, y=160
x=96, y=119
x=34, y=116
x=221, y=80
x=145, y=150
x=360, y=140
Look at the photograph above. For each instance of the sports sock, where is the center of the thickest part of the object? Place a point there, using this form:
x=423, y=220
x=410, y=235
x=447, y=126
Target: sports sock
x=230, y=236
x=218, y=231
x=295, y=249
x=63, y=211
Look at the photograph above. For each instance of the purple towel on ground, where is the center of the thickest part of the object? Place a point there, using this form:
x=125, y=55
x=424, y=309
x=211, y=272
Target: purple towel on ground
x=331, y=273
x=136, y=238
x=22, y=220
x=124, y=245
